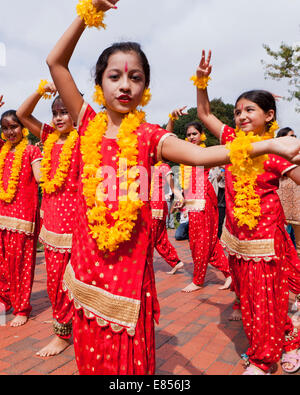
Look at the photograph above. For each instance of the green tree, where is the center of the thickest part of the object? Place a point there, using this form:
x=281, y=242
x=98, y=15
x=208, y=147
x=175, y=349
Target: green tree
x=222, y=111
x=287, y=66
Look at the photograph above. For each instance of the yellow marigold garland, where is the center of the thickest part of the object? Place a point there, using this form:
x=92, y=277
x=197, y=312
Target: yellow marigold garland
x=200, y=83
x=52, y=185
x=89, y=14
x=152, y=181
x=108, y=237
x=146, y=97
x=41, y=90
x=186, y=171
x=245, y=169
x=9, y=194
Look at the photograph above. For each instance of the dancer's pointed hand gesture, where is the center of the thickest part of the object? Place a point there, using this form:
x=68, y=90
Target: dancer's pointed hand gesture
x=204, y=68
x=104, y=5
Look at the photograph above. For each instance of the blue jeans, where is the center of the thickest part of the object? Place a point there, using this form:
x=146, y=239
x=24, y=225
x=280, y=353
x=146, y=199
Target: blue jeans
x=182, y=232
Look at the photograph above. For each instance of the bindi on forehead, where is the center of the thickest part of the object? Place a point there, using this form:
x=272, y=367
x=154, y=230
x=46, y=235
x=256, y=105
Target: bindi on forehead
x=126, y=67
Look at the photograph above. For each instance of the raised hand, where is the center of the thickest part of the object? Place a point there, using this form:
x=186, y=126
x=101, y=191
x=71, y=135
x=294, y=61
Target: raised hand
x=50, y=88
x=104, y=5
x=204, y=68
x=178, y=112
x=1, y=101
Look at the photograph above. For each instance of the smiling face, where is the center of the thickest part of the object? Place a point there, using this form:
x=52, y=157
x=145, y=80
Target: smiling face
x=123, y=82
x=61, y=117
x=12, y=130
x=249, y=117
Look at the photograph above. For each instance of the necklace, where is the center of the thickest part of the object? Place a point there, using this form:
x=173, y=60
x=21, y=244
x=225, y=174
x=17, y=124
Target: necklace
x=8, y=194
x=52, y=185
x=110, y=237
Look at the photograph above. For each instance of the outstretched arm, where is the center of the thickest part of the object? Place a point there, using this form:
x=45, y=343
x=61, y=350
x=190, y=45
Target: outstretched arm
x=59, y=58
x=211, y=122
x=26, y=109
x=180, y=151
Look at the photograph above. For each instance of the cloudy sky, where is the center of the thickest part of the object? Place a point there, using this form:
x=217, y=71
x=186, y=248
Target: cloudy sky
x=171, y=32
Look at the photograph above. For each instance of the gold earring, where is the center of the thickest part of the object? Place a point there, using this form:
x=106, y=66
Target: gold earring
x=146, y=97
x=99, y=96
x=3, y=137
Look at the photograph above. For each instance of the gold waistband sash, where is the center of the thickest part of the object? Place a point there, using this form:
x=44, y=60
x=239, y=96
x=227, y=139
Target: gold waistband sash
x=157, y=213
x=56, y=240
x=115, y=309
x=248, y=249
x=195, y=204
x=17, y=225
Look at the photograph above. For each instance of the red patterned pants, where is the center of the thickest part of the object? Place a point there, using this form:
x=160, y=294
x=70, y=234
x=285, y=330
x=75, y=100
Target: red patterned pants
x=17, y=264
x=204, y=243
x=263, y=290
x=162, y=243
x=62, y=308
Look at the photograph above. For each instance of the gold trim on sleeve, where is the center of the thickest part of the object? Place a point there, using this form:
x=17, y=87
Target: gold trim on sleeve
x=160, y=144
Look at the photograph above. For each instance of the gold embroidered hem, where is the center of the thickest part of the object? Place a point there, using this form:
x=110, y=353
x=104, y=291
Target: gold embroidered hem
x=117, y=311
x=17, y=225
x=248, y=249
x=195, y=204
x=157, y=213
x=55, y=241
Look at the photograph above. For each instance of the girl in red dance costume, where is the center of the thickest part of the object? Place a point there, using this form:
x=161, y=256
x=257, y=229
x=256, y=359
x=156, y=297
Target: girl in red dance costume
x=19, y=219
x=59, y=184
x=254, y=233
x=110, y=277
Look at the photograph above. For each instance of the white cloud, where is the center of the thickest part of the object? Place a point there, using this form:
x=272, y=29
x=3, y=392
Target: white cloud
x=172, y=33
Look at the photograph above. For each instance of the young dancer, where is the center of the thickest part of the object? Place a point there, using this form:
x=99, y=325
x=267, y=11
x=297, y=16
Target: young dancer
x=59, y=184
x=110, y=276
x=19, y=177
x=159, y=207
x=254, y=233
x=202, y=206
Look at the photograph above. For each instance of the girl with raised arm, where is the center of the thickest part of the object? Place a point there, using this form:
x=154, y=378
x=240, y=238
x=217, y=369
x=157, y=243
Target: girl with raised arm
x=19, y=219
x=254, y=233
x=110, y=276
x=59, y=183
x=201, y=203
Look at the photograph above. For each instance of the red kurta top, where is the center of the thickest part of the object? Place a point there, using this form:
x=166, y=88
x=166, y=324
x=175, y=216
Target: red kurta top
x=196, y=188
x=59, y=207
x=158, y=200
x=272, y=214
x=108, y=285
x=20, y=214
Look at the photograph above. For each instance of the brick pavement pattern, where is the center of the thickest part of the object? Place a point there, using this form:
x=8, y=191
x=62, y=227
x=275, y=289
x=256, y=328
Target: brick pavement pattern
x=194, y=336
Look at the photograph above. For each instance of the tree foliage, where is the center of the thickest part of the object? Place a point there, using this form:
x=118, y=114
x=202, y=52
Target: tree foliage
x=286, y=66
x=222, y=111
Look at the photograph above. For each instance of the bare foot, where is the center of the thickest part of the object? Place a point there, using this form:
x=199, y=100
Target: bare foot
x=191, y=288
x=19, y=320
x=55, y=347
x=177, y=267
x=236, y=315
x=227, y=284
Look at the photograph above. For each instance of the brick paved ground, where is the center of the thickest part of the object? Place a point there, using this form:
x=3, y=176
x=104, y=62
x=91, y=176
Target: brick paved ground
x=194, y=336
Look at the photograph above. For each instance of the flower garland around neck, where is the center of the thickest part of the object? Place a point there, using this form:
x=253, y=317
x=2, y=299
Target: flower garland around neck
x=109, y=237
x=9, y=194
x=245, y=169
x=52, y=185
x=152, y=181
x=186, y=171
